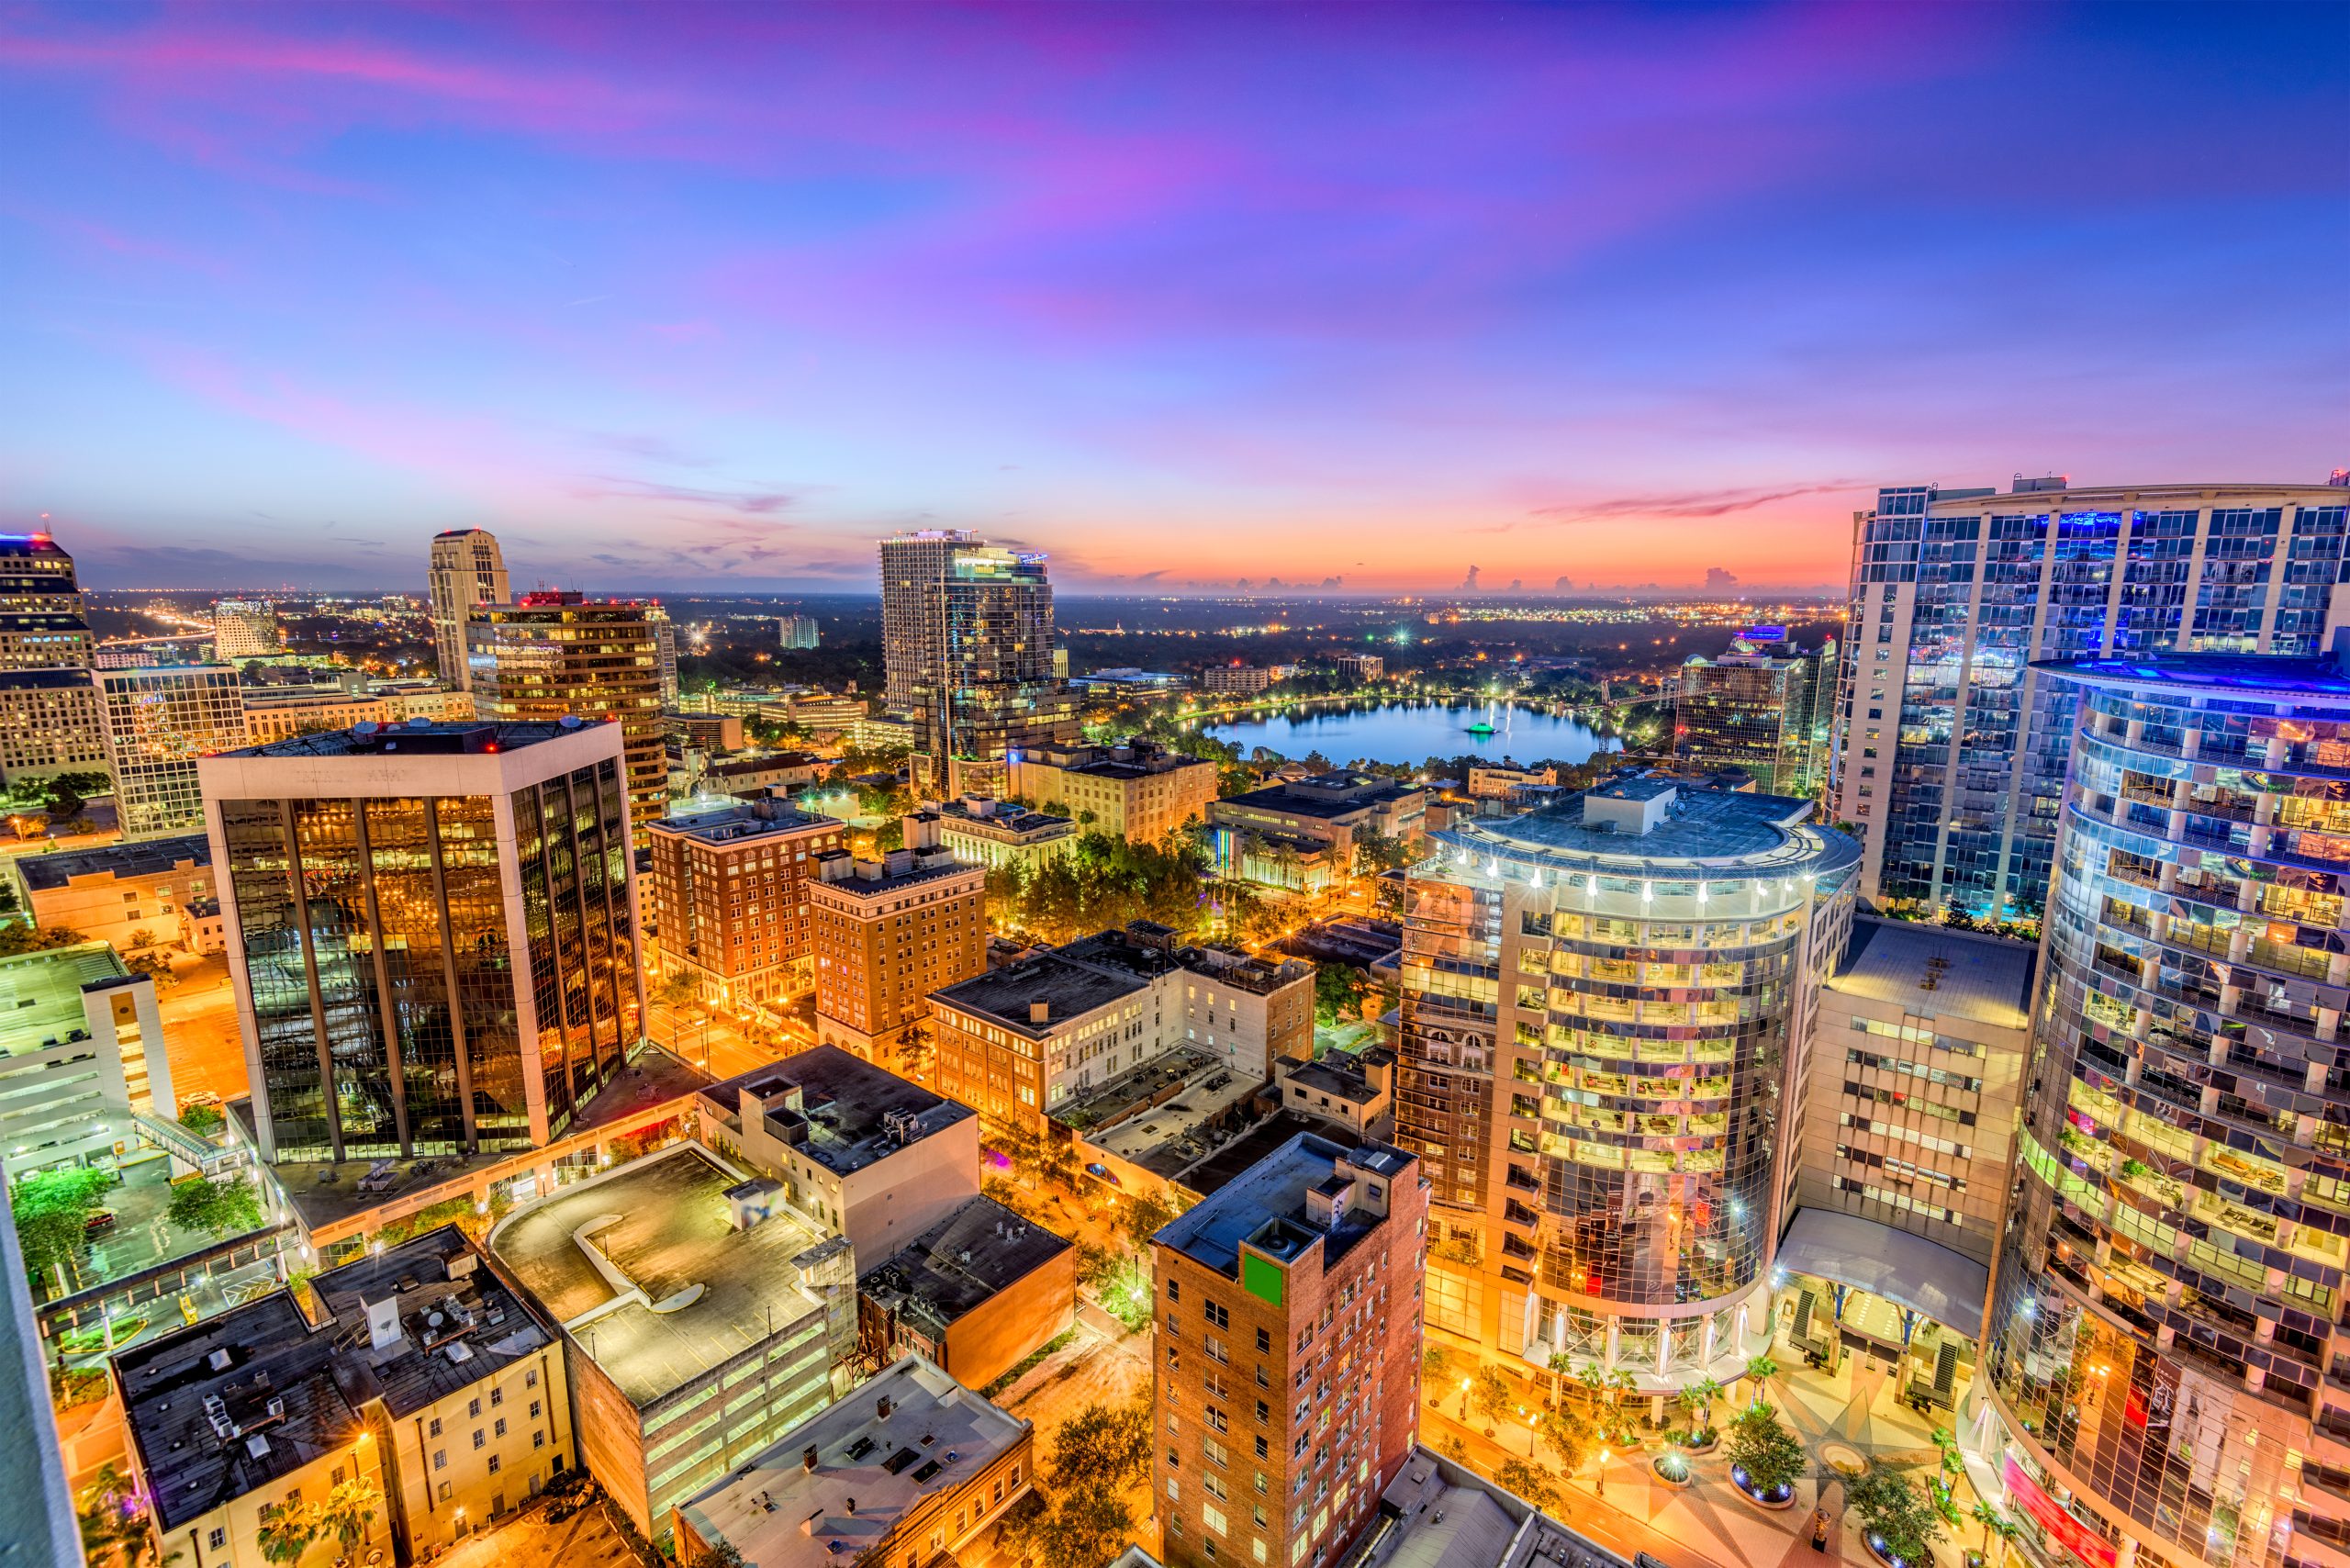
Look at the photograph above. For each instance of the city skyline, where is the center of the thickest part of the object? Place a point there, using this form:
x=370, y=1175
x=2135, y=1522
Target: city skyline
x=1180, y=299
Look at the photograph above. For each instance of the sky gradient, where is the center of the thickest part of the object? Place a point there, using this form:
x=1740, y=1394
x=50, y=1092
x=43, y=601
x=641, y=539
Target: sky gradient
x=711, y=297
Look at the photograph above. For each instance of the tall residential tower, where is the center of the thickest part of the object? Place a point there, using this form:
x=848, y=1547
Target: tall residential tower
x=2167, y=1344
x=968, y=641
x=1604, y=1005
x=49, y=709
x=549, y=654
x=1951, y=748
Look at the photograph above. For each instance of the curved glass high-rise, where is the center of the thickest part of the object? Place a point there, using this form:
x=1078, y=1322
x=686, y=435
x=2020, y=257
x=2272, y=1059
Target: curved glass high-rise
x=2166, y=1345
x=1601, y=1005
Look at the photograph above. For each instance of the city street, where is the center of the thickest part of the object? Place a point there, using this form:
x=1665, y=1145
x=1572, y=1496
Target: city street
x=201, y=1035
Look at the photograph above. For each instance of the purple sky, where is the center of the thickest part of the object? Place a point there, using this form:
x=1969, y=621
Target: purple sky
x=701, y=296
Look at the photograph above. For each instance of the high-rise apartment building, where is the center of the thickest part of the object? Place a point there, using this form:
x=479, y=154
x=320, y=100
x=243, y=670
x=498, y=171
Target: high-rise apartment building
x=665, y=643
x=798, y=632
x=2166, y=1343
x=467, y=569
x=1765, y=706
x=431, y=931
x=1602, y=1006
x=888, y=933
x=244, y=629
x=912, y=564
x=549, y=654
x=729, y=896
x=1950, y=748
x=1289, y=1320
x=159, y=719
x=49, y=709
x=968, y=637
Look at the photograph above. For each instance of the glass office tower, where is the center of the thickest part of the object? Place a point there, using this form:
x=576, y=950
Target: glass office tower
x=431, y=931
x=1764, y=706
x=2171, y=1371
x=1951, y=751
x=1602, y=1002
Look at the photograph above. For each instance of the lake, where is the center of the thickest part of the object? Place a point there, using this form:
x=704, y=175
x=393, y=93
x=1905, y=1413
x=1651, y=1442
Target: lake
x=1413, y=732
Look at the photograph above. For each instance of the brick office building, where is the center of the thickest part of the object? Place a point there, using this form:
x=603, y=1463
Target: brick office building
x=1289, y=1376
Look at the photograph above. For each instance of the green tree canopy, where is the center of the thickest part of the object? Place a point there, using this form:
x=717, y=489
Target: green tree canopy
x=217, y=1208
x=52, y=1207
x=1763, y=1448
x=1898, y=1511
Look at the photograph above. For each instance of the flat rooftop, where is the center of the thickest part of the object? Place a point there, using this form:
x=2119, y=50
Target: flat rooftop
x=1067, y=988
x=652, y=1078
x=961, y=1262
x=2285, y=674
x=1934, y=971
x=278, y=1406
x=1004, y=818
x=147, y=857
x=855, y=1113
x=729, y=820
x=937, y=1435
x=414, y=737
x=1446, y=1517
x=1274, y=1188
x=459, y=1323
x=1323, y=795
x=40, y=992
x=667, y=1228
x=1340, y=1075
x=1720, y=833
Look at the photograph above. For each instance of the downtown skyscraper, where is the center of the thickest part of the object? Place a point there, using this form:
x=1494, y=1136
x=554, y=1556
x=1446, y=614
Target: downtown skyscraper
x=2167, y=1346
x=967, y=631
x=49, y=709
x=1950, y=759
x=431, y=930
x=467, y=569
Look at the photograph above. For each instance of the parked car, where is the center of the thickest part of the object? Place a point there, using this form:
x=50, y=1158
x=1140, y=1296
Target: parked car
x=99, y=1220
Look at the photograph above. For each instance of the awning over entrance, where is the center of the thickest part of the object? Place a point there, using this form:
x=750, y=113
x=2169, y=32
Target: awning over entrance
x=1908, y=1271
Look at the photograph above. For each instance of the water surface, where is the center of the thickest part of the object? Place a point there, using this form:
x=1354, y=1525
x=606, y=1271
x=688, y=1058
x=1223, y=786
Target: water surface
x=1413, y=732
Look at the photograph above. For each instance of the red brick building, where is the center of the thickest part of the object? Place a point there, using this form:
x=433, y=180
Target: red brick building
x=1288, y=1354
x=728, y=896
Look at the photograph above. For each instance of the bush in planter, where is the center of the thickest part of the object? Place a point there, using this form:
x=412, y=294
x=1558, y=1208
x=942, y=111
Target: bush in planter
x=1901, y=1521
x=1765, y=1453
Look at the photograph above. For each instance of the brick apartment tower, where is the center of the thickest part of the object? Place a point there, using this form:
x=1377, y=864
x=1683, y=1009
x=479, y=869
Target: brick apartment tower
x=1289, y=1374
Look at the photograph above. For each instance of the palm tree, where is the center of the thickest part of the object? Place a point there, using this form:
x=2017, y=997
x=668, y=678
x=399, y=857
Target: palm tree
x=1762, y=1369
x=1707, y=1391
x=1996, y=1523
x=347, y=1512
x=287, y=1530
x=1619, y=1383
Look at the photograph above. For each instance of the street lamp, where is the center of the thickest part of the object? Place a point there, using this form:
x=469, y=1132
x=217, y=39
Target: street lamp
x=1464, y=1399
x=1601, y=1486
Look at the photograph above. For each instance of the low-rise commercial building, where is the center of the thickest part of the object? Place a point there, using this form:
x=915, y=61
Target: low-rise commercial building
x=701, y=1318
x=1356, y=1091
x=706, y=731
x=241, y=1412
x=1505, y=780
x=986, y=832
x=1026, y=1040
x=1301, y=1275
x=729, y=895
x=1438, y=1512
x=912, y=1467
x=761, y=772
x=888, y=934
x=460, y=1380
x=1361, y=667
x=81, y=1058
x=977, y=1292
x=1134, y=789
x=115, y=890
x=860, y=1150
x=1301, y=834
